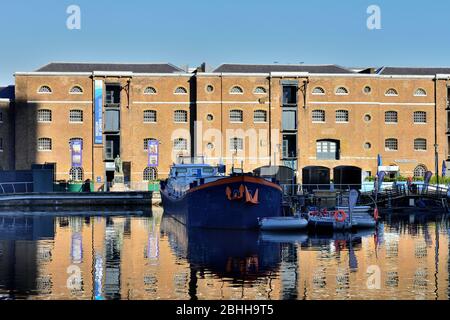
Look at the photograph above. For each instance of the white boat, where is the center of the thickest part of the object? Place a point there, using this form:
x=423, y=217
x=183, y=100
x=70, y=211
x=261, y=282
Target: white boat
x=329, y=220
x=283, y=224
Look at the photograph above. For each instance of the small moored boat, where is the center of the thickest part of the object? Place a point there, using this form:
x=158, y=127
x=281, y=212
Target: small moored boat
x=283, y=223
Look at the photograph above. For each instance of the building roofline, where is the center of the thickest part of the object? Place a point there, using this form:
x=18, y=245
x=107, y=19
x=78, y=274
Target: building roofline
x=112, y=63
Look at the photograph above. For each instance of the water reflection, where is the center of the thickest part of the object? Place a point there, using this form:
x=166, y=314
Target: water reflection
x=150, y=257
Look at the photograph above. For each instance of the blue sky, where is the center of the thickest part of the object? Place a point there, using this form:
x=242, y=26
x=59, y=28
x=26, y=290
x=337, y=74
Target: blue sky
x=249, y=31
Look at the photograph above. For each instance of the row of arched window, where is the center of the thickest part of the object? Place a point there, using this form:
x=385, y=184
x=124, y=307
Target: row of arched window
x=392, y=144
x=46, y=144
x=391, y=92
x=390, y=117
x=45, y=115
x=48, y=90
x=149, y=174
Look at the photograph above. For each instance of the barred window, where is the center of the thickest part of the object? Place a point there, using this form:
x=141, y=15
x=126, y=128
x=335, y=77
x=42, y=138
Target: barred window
x=236, y=90
x=391, y=144
x=44, y=115
x=76, y=90
x=420, y=171
x=150, y=90
x=236, y=116
x=180, y=90
x=260, y=90
x=391, y=117
x=44, y=144
x=342, y=91
x=260, y=116
x=149, y=116
x=318, y=116
x=180, y=144
x=420, y=117
x=236, y=144
x=180, y=116
x=391, y=92
x=420, y=93
x=150, y=174
x=76, y=116
x=45, y=90
x=318, y=91
x=342, y=116
x=420, y=144
x=146, y=141
x=76, y=174
x=72, y=140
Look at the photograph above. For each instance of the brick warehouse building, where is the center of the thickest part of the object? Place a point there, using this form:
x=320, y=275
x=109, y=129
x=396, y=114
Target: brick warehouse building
x=305, y=117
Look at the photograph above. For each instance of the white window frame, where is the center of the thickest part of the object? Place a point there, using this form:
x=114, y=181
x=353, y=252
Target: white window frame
x=39, y=140
x=339, y=116
x=73, y=111
x=422, y=113
x=420, y=92
x=182, y=89
x=318, y=91
x=241, y=112
x=260, y=90
x=76, y=86
x=323, y=116
x=392, y=94
x=149, y=112
x=345, y=93
x=179, y=112
x=390, y=122
x=150, y=91
x=50, y=112
x=44, y=86
x=239, y=89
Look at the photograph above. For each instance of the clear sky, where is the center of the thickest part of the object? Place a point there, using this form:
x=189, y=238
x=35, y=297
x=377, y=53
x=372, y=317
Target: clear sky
x=33, y=33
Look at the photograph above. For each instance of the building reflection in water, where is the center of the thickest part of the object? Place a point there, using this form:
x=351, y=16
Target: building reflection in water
x=138, y=257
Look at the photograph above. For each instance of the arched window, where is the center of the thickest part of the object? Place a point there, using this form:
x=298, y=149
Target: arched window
x=180, y=116
x=342, y=91
x=260, y=116
x=260, y=90
x=420, y=117
x=76, y=116
x=318, y=116
x=236, y=144
x=391, y=92
x=76, y=174
x=146, y=141
x=180, y=144
x=45, y=90
x=318, y=91
x=391, y=144
x=44, y=115
x=150, y=174
x=391, y=117
x=420, y=171
x=420, y=144
x=76, y=90
x=150, y=90
x=236, y=90
x=342, y=116
x=420, y=93
x=150, y=116
x=72, y=140
x=236, y=116
x=44, y=144
x=180, y=90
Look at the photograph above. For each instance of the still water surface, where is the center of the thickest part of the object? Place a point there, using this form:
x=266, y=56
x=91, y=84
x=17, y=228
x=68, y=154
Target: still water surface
x=139, y=257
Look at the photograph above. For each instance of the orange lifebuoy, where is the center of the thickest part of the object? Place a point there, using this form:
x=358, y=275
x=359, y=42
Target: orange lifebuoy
x=340, y=216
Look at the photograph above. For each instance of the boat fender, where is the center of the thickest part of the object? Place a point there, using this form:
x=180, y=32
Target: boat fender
x=340, y=215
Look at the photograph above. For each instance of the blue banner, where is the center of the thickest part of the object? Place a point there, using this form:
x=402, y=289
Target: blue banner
x=76, y=148
x=98, y=111
x=380, y=180
x=153, y=153
x=444, y=169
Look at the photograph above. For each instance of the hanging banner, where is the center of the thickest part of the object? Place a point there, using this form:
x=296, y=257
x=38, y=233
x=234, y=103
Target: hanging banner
x=153, y=153
x=98, y=111
x=76, y=149
x=352, y=199
x=380, y=179
x=444, y=169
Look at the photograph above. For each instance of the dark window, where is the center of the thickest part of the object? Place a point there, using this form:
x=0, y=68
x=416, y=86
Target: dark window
x=289, y=95
x=289, y=146
x=112, y=94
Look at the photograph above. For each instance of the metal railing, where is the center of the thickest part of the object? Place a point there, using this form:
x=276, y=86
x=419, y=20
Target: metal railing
x=5, y=187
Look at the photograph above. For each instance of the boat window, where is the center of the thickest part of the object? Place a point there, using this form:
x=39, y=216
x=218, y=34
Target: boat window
x=181, y=171
x=208, y=170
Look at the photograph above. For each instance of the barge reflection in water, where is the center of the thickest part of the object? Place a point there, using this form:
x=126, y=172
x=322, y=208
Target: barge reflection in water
x=68, y=256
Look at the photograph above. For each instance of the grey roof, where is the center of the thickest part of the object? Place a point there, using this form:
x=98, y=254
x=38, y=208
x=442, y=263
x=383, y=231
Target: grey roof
x=267, y=68
x=110, y=67
x=7, y=92
x=408, y=71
